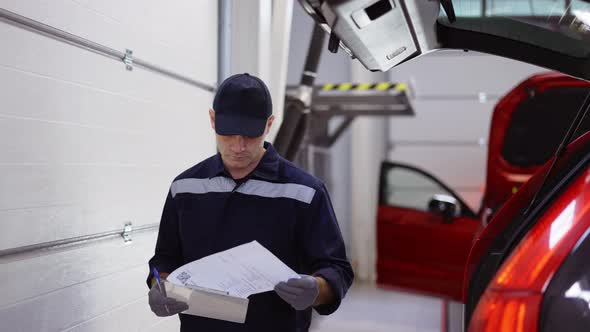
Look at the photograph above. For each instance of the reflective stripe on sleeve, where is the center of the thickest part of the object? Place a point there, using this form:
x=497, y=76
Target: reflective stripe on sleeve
x=278, y=190
x=219, y=184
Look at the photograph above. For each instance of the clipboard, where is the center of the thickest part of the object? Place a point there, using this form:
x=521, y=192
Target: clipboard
x=209, y=304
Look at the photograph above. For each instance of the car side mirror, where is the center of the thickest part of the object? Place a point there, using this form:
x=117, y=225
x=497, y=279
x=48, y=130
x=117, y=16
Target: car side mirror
x=444, y=206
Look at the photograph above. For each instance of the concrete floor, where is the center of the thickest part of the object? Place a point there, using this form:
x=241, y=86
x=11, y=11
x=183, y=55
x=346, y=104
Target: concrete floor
x=367, y=308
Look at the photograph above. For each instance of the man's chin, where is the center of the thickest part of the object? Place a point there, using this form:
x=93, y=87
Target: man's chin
x=238, y=164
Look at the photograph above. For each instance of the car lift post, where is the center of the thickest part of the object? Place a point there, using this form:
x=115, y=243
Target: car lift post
x=309, y=108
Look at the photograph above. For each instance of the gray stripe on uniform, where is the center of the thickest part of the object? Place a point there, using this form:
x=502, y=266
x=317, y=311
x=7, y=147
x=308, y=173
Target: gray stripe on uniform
x=278, y=190
x=219, y=184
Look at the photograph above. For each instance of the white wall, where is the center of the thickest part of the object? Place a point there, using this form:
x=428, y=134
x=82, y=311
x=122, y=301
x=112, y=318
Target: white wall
x=87, y=146
x=368, y=148
x=259, y=34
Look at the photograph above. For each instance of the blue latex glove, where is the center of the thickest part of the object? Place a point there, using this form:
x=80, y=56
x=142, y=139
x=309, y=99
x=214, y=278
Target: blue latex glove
x=299, y=293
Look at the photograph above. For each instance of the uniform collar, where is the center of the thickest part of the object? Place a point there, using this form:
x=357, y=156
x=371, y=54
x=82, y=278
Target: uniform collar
x=267, y=169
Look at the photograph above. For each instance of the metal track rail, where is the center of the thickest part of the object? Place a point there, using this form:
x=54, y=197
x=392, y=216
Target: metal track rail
x=46, y=247
x=66, y=37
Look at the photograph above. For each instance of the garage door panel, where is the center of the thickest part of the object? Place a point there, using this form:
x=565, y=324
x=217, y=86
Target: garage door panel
x=87, y=146
x=136, y=32
x=49, y=272
x=62, y=202
x=51, y=185
x=30, y=52
x=27, y=94
x=180, y=17
x=39, y=141
x=43, y=98
x=64, y=308
x=66, y=221
x=457, y=166
x=118, y=319
x=444, y=121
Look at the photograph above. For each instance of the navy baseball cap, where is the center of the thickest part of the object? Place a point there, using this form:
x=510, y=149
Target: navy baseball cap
x=242, y=106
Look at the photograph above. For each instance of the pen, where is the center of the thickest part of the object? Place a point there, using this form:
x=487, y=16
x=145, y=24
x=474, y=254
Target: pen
x=157, y=275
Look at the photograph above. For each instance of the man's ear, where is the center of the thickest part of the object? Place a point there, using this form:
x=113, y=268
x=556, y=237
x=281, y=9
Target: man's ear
x=269, y=123
x=212, y=118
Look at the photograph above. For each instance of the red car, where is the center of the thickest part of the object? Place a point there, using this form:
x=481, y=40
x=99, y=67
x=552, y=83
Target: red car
x=532, y=270
x=425, y=231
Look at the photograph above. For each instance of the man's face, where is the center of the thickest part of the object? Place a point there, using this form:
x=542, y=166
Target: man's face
x=237, y=151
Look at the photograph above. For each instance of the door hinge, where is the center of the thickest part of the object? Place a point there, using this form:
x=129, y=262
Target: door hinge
x=128, y=59
x=127, y=229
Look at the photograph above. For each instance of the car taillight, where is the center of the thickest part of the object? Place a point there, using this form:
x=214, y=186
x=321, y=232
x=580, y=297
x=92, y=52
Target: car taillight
x=506, y=311
x=513, y=298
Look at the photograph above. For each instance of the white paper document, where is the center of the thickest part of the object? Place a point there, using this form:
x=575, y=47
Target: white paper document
x=241, y=271
x=218, y=285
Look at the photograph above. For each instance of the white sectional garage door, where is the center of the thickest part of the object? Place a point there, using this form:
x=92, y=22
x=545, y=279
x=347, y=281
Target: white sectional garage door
x=87, y=146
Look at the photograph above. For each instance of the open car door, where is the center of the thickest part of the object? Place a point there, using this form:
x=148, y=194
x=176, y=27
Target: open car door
x=424, y=232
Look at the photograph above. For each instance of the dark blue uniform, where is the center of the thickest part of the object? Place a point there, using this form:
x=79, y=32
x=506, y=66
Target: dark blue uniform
x=284, y=208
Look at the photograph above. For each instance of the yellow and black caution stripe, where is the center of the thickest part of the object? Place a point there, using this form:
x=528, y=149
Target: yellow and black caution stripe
x=381, y=86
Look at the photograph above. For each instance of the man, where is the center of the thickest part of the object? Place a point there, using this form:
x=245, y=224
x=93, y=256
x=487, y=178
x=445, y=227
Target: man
x=248, y=192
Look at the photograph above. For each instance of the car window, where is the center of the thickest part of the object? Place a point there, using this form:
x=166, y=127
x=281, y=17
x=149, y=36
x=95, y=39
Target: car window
x=539, y=124
x=408, y=188
x=561, y=25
